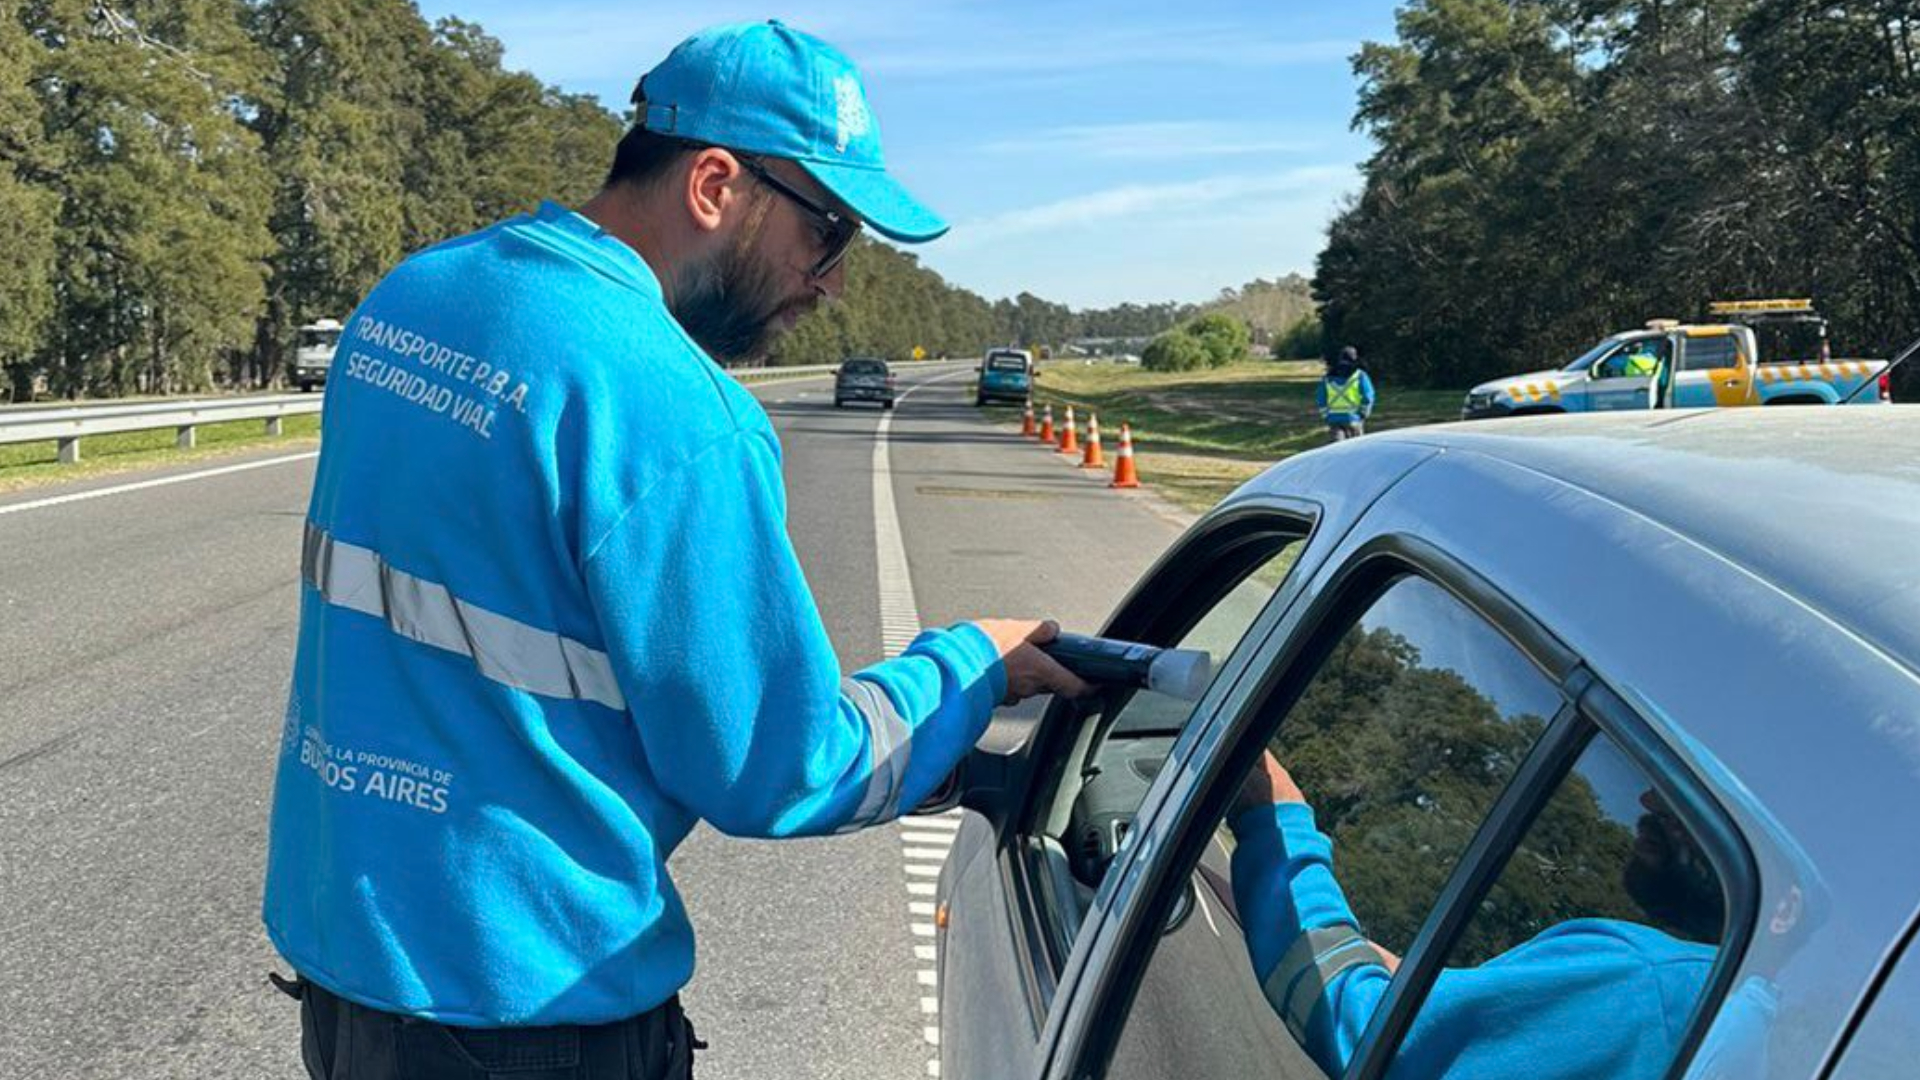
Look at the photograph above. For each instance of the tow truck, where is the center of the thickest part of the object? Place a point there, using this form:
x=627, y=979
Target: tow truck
x=1700, y=366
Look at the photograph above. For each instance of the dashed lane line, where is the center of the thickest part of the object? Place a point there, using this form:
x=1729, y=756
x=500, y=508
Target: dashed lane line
x=925, y=841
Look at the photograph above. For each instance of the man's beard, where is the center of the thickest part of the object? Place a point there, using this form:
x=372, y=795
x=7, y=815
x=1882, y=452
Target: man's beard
x=731, y=306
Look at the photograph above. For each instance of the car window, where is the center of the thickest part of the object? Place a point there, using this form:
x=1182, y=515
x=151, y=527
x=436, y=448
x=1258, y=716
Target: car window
x=1007, y=363
x=1120, y=746
x=1709, y=353
x=1400, y=743
x=863, y=367
x=1609, y=908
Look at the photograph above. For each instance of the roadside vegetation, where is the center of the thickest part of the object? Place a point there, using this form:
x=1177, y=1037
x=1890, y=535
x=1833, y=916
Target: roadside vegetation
x=32, y=464
x=1199, y=434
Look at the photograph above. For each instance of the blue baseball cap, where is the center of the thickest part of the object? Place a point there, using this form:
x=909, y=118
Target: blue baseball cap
x=767, y=88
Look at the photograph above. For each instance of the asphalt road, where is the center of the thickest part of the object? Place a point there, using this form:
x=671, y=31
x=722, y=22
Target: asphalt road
x=145, y=642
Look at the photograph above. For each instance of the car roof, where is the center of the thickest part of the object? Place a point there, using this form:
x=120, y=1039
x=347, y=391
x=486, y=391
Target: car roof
x=1821, y=502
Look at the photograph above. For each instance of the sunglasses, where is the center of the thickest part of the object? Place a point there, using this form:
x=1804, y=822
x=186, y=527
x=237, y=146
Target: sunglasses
x=835, y=230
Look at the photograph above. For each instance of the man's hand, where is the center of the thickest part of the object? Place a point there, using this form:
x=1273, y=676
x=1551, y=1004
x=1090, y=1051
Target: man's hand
x=1030, y=671
x=1269, y=783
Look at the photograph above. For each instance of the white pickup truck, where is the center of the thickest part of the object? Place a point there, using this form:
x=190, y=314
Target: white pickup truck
x=1700, y=366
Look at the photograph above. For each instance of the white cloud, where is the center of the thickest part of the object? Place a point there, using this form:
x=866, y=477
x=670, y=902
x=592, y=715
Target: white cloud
x=1182, y=199
x=1024, y=53
x=1153, y=140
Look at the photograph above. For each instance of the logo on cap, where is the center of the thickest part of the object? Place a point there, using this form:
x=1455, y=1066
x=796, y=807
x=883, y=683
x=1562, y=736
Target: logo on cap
x=851, y=106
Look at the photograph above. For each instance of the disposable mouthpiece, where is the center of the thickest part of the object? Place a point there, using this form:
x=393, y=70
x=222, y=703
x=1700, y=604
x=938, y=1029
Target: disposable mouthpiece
x=1181, y=673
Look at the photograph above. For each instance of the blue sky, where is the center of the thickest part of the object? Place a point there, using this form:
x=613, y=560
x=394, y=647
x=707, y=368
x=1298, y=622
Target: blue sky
x=1088, y=151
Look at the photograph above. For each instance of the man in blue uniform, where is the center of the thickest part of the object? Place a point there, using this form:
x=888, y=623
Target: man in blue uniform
x=551, y=615
x=1585, y=998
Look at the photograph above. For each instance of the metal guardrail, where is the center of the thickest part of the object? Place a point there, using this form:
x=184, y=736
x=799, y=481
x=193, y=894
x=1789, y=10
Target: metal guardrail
x=68, y=424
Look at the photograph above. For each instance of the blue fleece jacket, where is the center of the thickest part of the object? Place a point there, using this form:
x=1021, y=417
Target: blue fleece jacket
x=552, y=618
x=1585, y=998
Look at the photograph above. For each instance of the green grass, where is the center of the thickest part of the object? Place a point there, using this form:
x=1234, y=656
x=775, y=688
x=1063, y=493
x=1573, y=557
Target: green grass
x=1197, y=435
x=32, y=464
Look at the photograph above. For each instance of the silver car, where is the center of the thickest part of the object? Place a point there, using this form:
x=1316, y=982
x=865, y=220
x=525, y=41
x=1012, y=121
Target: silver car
x=1610, y=731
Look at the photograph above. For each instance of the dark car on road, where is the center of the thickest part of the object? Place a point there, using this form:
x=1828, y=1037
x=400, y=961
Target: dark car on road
x=1562, y=693
x=862, y=378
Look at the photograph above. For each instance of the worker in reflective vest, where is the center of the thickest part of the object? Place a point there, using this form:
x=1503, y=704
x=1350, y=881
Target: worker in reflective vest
x=1345, y=396
x=1640, y=361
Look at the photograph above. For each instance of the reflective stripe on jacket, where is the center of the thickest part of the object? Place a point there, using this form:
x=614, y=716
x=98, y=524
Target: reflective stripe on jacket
x=551, y=619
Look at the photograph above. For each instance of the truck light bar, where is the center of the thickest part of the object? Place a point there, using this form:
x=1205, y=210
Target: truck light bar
x=1749, y=307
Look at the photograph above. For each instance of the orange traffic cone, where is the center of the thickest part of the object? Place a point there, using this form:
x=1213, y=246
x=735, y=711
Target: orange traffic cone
x=1093, y=460
x=1124, y=475
x=1069, y=440
x=1026, y=421
x=1046, y=426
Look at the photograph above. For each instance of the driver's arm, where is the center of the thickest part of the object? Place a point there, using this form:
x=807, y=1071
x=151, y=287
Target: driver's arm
x=1318, y=971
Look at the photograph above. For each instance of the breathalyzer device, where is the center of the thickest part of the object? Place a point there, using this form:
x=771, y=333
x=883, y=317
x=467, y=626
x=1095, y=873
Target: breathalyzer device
x=1180, y=673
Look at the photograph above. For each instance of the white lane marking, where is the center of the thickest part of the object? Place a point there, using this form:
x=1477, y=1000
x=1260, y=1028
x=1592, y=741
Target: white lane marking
x=1207, y=910
x=924, y=838
x=143, y=485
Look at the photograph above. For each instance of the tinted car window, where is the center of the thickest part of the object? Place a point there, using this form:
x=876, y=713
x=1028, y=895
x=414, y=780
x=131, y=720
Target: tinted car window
x=1121, y=746
x=1400, y=743
x=864, y=367
x=1708, y=353
x=1609, y=908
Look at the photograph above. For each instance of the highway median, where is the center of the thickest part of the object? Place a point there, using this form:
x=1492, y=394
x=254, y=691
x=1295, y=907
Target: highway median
x=1200, y=434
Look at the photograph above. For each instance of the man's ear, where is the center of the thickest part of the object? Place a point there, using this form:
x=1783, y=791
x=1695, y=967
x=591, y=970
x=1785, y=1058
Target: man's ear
x=711, y=187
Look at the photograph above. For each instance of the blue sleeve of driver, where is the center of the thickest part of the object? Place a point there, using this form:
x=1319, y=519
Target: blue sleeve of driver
x=1366, y=395
x=1283, y=886
x=1320, y=396
x=1497, y=1021
x=742, y=710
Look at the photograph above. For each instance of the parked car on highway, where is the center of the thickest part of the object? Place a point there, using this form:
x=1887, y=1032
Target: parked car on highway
x=862, y=378
x=1620, y=713
x=1005, y=375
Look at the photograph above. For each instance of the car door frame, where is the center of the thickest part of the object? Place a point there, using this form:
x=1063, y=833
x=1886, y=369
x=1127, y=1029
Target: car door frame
x=1085, y=1034
x=1706, y=388
x=1154, y=609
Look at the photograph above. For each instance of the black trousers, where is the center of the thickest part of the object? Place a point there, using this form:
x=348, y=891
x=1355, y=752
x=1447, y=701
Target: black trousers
x=343, y=1040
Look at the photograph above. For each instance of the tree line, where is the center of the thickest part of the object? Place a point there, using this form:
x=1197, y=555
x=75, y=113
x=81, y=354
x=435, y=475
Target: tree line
x=187, y=181
x=1550, y=171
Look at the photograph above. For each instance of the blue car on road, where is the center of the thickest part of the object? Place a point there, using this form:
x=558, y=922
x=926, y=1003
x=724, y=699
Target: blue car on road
x=1005, y=375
